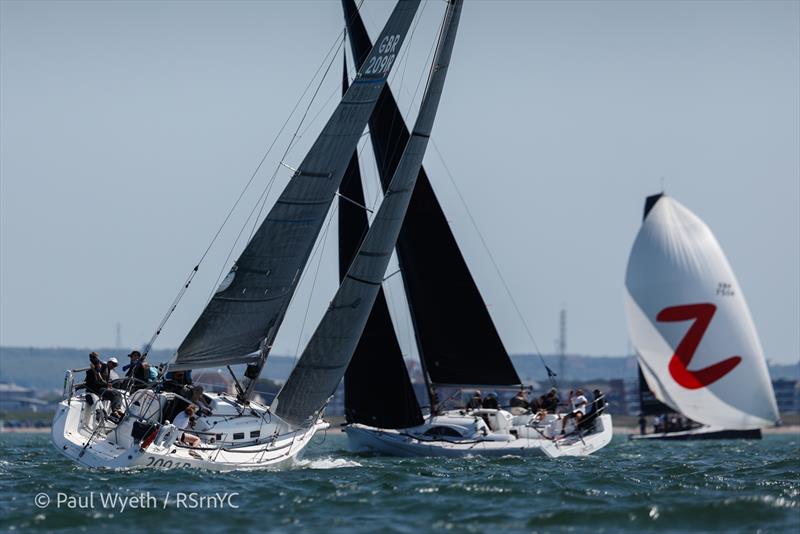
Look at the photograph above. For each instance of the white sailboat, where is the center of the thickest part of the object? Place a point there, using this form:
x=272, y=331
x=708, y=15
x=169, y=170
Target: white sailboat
x=242, y=319
x=485, y=432
x=457, y=341
x=695, y=340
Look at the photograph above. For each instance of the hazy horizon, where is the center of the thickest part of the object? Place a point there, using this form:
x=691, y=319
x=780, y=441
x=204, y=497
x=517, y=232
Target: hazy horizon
x=128, y=129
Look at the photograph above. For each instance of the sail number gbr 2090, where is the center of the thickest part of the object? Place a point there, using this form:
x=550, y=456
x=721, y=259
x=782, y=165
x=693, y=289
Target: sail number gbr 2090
x=381, y=62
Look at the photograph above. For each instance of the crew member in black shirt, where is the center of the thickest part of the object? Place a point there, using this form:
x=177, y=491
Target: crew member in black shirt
x=475, y=402
x=97, y=382
x=519, y=401
x=490, y=402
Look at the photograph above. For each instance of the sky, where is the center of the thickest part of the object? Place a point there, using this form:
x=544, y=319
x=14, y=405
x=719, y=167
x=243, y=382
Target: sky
x=128, y=129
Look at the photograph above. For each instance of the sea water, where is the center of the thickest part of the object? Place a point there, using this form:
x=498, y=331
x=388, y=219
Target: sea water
x=740, y=486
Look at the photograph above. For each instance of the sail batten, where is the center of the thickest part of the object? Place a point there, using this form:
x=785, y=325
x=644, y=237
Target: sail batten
x=697, y=346
x=239, y=319
x=337, y=336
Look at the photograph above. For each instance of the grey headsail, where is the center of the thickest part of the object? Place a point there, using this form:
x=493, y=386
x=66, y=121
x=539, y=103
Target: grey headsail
x=244, y=315
x=325, y=359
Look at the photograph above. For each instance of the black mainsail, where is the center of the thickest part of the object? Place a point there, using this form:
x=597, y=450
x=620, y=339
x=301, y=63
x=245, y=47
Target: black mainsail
x=456, y=337
x=385, y=399
x=240, y=322
x=325, y=359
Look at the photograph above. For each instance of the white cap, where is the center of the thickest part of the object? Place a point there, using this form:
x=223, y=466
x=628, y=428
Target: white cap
x=113, y=360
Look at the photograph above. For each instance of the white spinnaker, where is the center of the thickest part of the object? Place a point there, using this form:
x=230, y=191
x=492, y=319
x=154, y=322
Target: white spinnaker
x=677, y=262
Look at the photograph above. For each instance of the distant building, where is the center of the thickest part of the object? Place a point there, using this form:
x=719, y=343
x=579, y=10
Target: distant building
x=616, y=395
x=14, y=398
x=787, y=395
x=632, y=396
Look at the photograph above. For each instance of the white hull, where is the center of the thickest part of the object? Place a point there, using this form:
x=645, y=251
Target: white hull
x=113, y=446
x=700, y=433
x=515, y=440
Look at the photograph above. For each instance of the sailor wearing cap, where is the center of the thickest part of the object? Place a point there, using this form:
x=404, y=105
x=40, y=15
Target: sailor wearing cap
x=112, y=364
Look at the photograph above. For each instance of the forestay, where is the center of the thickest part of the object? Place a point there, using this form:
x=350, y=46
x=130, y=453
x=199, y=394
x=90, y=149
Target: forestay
x=689, y=323
x=323, y=363
x=244, y=315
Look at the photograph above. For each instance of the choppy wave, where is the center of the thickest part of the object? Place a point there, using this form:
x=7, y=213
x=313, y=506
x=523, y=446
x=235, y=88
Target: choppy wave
x=629, y=486
x=325, y=463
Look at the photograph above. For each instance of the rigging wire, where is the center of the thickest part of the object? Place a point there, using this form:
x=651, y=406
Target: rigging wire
x=262, y=199
x=333, y=93
x=338, y=44
x=404, y=55
x=332, y=53
x=375, y=178
x=408, y=327
x=196, y=268
x=320, y=244
x=416, y=89
x=393, y=75
x=550, y=374
x=323, y=240
x=294, y=139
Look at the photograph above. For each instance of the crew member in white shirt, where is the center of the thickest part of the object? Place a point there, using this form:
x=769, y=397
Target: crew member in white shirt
x=578, y=404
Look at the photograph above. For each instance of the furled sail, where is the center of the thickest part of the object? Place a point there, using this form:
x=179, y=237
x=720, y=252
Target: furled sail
x=244, y=315
x=687, y=318
x=457, y=340
x=377, y=388
x=325, y=359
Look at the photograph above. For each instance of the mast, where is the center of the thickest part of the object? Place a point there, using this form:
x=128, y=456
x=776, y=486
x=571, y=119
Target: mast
x=241, y=321
x=331, y=347
x=562, y=344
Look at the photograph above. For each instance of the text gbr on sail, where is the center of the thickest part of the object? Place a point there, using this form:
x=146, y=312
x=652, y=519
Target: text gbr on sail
x=382, y=61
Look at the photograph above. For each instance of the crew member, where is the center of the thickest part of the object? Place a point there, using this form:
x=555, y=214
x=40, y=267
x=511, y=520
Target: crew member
x=475, y=402
x=519, y=403
x=112, y=365
x=187, y=420
x=97, y=382
x=490, y=402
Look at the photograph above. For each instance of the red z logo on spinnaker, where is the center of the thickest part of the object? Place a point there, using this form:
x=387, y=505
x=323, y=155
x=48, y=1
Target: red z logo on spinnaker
x=679, y=364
